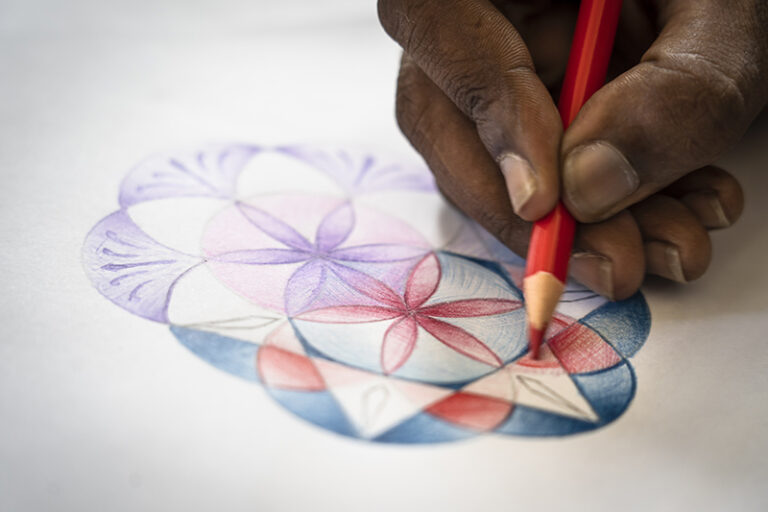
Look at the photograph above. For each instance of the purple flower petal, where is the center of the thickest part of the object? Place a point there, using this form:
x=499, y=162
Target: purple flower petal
x=274, y=227
x=131, y=269
x=367, y=285
x=335, y=227
x=262, y=256
x=378, y=253
x=304, y=286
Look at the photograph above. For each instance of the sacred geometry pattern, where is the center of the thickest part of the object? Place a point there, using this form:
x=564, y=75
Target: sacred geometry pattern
x=344, y=285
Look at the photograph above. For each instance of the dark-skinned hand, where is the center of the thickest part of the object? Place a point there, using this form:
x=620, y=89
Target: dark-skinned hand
x=474, y=97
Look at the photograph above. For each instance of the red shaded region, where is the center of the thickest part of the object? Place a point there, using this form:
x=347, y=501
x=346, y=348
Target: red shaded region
x=546, y=360
x=473, y=411
x=282, y=369
x=579, y=349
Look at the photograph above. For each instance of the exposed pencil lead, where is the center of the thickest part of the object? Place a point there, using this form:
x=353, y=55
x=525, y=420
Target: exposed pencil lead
x=534, y=341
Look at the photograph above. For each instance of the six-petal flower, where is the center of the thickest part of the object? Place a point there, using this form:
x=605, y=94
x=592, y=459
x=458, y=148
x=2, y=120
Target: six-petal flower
x=410, y=312
x=324, y=256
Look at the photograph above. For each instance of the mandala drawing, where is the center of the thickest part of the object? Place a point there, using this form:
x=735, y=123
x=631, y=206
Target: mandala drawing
x=342, y=284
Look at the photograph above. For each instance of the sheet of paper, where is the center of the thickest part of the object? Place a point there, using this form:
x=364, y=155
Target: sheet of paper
x=230, y=283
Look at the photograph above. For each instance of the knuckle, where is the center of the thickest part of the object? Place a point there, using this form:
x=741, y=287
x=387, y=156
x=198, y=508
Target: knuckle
x=413, y=114
x=711, y=109
x=403, y=20
x=503, y=226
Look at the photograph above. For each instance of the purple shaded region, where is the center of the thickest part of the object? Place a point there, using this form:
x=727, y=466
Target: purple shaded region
x=308, y=283
x=288, y=259
x=211, y=172
x=360, y=173
x=131, y=269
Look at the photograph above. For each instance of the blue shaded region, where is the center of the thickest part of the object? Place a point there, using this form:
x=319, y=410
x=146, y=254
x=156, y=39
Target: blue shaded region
x=235, y=357
x=494, y=267
x=527, y=421
x=608, y=391
x=625, y=325
x=317, y=407
x=424, y=428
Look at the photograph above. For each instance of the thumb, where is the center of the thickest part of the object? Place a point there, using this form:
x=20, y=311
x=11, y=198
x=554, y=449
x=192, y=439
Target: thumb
x=692, y=96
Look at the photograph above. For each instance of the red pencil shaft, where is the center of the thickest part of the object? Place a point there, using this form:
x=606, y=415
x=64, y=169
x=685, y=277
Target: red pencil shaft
x=552, y=236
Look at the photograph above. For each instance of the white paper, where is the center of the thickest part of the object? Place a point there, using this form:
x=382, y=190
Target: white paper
x=103, y=410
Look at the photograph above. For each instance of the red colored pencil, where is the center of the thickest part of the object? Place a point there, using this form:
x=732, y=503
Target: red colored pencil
x=552, y=238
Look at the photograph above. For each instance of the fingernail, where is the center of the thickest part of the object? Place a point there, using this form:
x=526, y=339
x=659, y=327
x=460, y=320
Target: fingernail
x=707, y=207
x=521, y=182
x=663, y=259
x=594, y=271
x=596, y=177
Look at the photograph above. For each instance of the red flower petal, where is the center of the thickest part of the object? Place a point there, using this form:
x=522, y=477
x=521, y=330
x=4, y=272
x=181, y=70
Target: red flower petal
x=350, y=314
x=423, y=281
x=471, y=307
x=398, y=344
x=367, y=285
x=459, y=340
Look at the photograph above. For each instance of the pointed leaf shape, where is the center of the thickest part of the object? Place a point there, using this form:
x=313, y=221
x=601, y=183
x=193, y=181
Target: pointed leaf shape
x=399, y=341
x=304, y=286
x=262, y=256
x=350, y=314
x=367, y=285
x=377, y=253
x=274, y=227
x=335, y=227
x=423, y=281
x=459, y=340
x=471, y=307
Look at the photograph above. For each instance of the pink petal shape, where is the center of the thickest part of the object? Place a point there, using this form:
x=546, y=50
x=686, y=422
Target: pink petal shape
x=399, y=341
x=367, y=285
x=378, y=253
x=304, y=286
x=335, y=227
x=471, y=307
x=274, y=227
x=262, y=256
x=350, y=314
x=423, y=281
x=459, y=340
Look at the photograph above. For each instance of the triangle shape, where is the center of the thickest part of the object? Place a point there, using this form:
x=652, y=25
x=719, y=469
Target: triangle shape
x=552, y=392
x=375, y=403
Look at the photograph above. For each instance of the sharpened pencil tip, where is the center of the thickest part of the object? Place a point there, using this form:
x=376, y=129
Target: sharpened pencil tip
x=534, y=341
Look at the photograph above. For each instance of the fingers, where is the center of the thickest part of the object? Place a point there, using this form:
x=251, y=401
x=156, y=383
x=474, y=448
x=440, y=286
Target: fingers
x=696, y=90
x=676, y=245
x=712, y=194
x=610, y=256
x=451, y=147
x=476, y=57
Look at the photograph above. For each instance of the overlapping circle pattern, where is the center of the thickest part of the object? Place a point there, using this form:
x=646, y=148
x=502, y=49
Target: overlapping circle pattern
x=355, y=296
